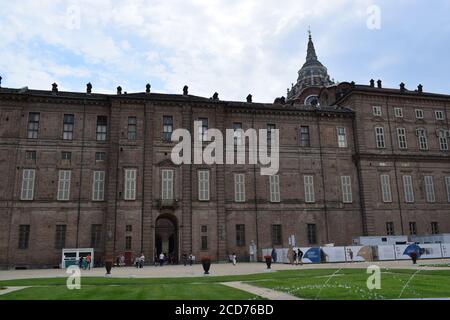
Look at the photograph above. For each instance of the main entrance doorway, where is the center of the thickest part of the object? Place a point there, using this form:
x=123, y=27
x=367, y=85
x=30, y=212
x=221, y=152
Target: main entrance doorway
x=166, y=237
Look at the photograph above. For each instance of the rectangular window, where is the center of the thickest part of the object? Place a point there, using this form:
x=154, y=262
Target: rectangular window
x=239, y=187
x=308, y=182
x=270, y=127
x=28, y=177
x=434, y=228
x=60, y=238
x=342, y=138
x=240, y=235
x=100, y=156
x=386, y=188
x=346, y=186
x=402, y=142
x=419, y=114
x=203, y=185
x=24, y=236
x=128, y=242
x=167, y=185
x=64, y=185
x=102, y=128
x=274, y=182
x=379, y=134
x=30, y=156
x=312, y=234
x=277, y=238
x=447, y=184
x=398, y=112
x=443, y=139
x=130, y=184
x=96, y=235
x=376, y=110
x=68, y=124
x=238, y=138
x=304, y=137
x=98, y=186
x=33, y=125
x=440, y=115
x=203, y=129
x=413, y=228
x=408, y=188
x=390, y=231
x=129, y=228
x=423, y=139
x=429, y=189
x=204, y=243
x=66, y=156
x=132, y=128
x=167, y=128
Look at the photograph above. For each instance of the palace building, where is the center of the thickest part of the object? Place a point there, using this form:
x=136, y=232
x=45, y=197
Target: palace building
x=90, y=170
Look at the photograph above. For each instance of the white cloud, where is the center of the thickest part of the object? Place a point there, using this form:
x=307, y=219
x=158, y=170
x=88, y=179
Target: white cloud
x=232, y=47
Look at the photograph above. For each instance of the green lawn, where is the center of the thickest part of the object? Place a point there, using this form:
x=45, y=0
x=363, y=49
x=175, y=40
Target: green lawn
x=308, y=284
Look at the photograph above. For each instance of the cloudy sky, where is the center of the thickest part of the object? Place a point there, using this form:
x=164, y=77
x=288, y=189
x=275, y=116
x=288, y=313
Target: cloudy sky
x=234, y=47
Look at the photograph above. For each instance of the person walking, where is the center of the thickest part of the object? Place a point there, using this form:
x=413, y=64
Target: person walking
x=185, y=258
x=290, y=255
x=294, y=257
x=300, y=256
x=191, y=259
x=234, y=259
x=80, y=262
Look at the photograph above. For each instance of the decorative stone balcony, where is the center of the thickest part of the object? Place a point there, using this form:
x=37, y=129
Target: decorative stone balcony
x=170, y=204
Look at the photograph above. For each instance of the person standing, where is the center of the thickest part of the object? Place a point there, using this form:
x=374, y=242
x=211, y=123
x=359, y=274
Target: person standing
x=80, y=262
x=191, y=259
x=141, y=261
x=88, y=261
x=136, y=262
x=294, y=257
x=185, y=258
x=274, y=255
x=161, y=259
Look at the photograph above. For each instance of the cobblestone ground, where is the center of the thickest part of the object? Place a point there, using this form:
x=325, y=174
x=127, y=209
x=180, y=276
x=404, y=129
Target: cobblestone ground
x=216, y=269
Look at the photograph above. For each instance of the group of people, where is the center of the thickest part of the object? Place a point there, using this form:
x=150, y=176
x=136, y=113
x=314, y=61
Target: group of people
x=85, y=262
x=294, y=256
x=139, y=261
x=188, y=259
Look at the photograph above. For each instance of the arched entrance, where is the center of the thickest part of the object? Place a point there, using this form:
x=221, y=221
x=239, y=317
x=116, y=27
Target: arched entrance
x=166, y=236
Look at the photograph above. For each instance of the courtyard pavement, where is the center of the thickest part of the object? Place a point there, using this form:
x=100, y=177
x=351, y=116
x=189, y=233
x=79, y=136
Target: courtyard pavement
x=222, y=269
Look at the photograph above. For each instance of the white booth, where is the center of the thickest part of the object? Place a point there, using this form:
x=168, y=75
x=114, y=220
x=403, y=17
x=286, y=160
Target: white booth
x=71, y=257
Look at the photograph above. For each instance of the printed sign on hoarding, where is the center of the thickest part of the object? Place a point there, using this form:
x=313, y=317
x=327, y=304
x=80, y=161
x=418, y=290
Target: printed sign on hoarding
x=333, y=254
x=358, y=253
x=385, y=253
x=445, y=250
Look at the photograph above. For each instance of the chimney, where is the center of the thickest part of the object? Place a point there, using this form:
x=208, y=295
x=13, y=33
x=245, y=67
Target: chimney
x=249, y=98
x=402, y=87
x=54, y=88
x=185, y=90
x=119, y=90
x=372, y=83
x=147, y=88
x=89, y=88
x=380, y=84
x=420, y=88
